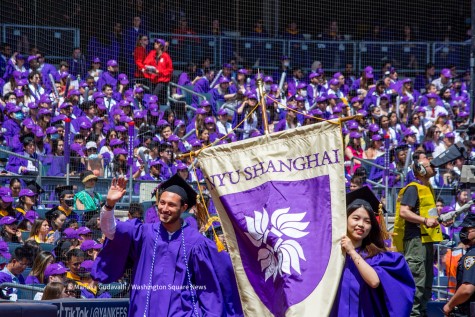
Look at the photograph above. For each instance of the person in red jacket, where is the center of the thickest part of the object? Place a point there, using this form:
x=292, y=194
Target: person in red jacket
x=140, y=53
x=159, y=69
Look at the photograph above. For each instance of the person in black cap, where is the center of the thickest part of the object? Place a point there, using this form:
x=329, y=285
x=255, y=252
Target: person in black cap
x=465, y=289
x=375, y=282
x=167, y=257
x=65, y=194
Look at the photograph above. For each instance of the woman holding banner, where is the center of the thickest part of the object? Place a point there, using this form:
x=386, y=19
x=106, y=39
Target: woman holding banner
x=375, y=282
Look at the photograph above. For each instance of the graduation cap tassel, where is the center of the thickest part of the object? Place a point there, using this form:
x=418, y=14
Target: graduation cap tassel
x=202, y=213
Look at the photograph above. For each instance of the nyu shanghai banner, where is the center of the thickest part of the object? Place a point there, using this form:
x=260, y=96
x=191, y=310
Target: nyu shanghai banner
x=281, y=200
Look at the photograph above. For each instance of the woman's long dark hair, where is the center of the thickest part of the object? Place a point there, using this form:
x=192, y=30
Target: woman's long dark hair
x=373, y=244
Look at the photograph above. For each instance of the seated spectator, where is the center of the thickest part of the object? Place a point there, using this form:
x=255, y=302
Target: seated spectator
x=40, y=232
x=32, y=249
x=88, y=199
x=91, y=249
x=54, y=290
x=289, y=122
x=18, y=165
x=71, y=223
x=56, y=221
x=356, y=182
x=65, y=194
x=12, y=271
x=28, y=220
x=135, y=211
x=375, y=148
x=89, y=287
x=69, y=241
x=37, y=274
x=6, y=200
x=27, y=200
x=84, y=234
x=71, y=289
x=355, y=150
x=9, y=231
x=15, y=187
x=74, y=258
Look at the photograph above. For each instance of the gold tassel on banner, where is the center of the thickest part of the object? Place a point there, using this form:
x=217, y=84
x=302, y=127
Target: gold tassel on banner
x=209, y=224
x=201, y=213
x=203, y=217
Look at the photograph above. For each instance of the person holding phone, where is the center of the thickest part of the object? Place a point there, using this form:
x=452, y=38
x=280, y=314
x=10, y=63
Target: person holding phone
x=159, y=69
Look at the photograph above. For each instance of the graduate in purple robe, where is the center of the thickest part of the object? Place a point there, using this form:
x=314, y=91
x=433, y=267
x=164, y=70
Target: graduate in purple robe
x=375, y=282
x=172, y=264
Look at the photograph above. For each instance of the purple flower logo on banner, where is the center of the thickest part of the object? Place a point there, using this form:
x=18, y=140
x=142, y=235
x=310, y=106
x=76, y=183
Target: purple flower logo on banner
x=283, y=230
x=285, y=253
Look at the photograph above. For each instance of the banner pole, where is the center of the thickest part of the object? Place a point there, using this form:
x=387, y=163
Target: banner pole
x=262, y=97
x=67, y=146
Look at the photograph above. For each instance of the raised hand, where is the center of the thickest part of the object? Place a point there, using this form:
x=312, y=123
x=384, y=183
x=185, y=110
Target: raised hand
x=116, y=191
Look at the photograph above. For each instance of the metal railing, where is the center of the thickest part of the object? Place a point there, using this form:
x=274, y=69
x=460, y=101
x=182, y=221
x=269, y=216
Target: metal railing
x=23, y=291
x=185, y=89
x=57, y=44
x=371, y=163
x=410, y=55
x=54, y=42
x=189, y=48
x=49, y=184
x=441, y=283
x=265, y=53
x=451, y=53
x=332, y=54
x=37, y=161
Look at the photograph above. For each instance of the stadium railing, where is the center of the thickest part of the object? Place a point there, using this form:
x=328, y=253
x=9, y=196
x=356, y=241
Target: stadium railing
x=332, y=54
x=190, y=47
x=182, y=106
x=402, y=53
x=36, y=162
x=55, y=43
x=265, y=53
x=23, y=291
x=451, y=53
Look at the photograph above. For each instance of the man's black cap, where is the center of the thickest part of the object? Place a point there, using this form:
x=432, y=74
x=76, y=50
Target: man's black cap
x=179, y=186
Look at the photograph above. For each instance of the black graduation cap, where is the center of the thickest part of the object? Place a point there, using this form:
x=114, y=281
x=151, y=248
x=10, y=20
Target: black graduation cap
x=179, y=186
x=364, y=196
x=27, y=138
x=63, y=190
x=33, y=185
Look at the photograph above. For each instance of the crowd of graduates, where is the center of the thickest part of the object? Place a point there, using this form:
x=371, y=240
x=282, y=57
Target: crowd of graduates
x=42, y=102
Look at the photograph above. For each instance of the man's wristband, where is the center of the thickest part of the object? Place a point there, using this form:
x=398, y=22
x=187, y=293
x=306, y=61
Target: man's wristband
x=425, y=222
x=106, y=206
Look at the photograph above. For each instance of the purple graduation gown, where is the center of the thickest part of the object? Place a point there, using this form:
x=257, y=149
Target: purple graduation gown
x=30, y=279
x=141, y=243
x=393, y=297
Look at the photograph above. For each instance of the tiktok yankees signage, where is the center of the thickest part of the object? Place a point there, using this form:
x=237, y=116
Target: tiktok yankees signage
x=281, y=200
